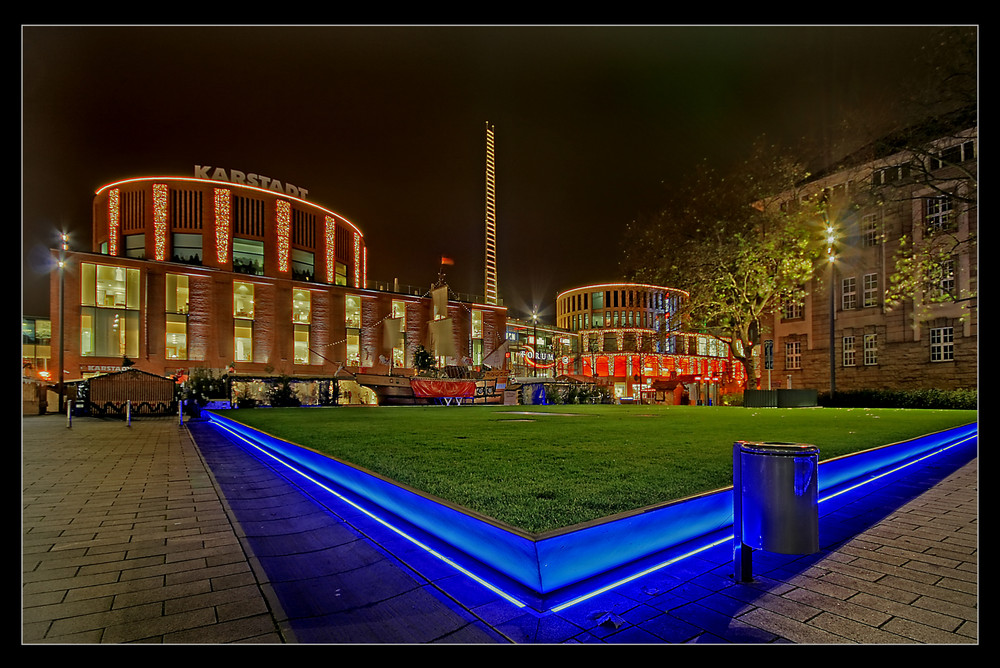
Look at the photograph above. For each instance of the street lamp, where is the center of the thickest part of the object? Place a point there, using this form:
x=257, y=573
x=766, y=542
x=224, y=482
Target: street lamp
x=534, y=342
x=831, y=257
x=63, y=247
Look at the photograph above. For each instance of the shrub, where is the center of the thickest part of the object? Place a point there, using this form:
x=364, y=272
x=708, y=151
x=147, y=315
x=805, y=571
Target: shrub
x=927, y=398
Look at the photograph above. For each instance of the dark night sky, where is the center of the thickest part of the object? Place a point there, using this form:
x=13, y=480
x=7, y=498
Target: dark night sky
x=386, y=126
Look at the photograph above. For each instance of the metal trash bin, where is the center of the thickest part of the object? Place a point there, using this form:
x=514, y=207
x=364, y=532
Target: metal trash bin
x=775, y=500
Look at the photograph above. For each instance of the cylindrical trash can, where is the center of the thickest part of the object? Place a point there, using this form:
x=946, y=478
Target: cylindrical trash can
x=779, y=510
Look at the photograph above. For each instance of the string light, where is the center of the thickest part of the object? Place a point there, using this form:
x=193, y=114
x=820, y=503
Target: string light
x=283, y=216
x=160, y=209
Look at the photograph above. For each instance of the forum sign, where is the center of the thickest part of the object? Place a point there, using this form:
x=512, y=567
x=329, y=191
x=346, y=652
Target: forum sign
x=245, y=179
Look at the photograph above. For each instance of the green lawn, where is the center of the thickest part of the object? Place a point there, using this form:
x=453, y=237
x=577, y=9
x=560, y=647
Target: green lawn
x=541, y=468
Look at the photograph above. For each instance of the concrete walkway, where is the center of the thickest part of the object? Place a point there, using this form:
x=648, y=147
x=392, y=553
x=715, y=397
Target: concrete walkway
x=138, y=534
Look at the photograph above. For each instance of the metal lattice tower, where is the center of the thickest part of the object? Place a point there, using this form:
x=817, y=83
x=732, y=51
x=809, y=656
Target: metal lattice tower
x=491, y=220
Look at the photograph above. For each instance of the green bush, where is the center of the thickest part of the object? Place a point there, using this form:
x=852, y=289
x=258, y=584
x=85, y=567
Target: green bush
x=928, y=398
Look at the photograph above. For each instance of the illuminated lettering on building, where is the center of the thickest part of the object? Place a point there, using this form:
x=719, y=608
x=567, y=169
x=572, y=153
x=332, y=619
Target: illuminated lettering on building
x=242, y=178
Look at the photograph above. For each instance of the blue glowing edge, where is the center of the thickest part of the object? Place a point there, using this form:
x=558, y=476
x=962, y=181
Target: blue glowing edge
x=552, y=571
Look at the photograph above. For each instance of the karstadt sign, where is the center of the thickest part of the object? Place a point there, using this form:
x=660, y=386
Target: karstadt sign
x=242, y=178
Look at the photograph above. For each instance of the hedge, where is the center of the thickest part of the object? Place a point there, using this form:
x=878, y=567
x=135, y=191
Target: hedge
x=931, y=398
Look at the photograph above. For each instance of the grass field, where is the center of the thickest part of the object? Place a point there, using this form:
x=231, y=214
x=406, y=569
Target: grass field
x=545, y=467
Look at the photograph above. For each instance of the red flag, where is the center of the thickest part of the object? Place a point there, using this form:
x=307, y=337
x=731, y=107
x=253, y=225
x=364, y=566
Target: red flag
x=446, y=260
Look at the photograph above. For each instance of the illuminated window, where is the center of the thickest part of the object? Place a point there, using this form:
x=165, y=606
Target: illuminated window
x=399, y=319
x=477, y=337
x=243, y=302
x=943, y=344
x=243, y=340
x=352, y=319
x=176, y=316
x=301, y=322
x=850, y=358
x=109, y=314
x=340, y=277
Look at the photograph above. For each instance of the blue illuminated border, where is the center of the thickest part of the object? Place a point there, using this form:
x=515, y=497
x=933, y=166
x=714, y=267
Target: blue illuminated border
x=546, y=571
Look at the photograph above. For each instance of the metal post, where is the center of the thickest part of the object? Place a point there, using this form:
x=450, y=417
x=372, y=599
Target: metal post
x=128, y=412
x=69, y=413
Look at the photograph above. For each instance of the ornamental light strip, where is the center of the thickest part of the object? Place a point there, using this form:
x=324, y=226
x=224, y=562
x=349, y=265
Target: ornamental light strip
x=331, y=249
x=284, y=221
x=160, y=213
x=223, y=219
x=113, y=213
x=357, y=260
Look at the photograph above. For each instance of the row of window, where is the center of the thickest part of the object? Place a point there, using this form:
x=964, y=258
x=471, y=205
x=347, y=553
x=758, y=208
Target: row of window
x=942, y=349
x=110, y=319
x=247, y=256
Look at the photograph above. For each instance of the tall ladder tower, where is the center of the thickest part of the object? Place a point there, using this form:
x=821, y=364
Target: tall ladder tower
x=491, y=220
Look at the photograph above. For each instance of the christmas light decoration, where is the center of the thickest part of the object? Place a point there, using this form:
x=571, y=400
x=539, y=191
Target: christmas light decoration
x=223, y=222
x=283, y=215
x=160, y=213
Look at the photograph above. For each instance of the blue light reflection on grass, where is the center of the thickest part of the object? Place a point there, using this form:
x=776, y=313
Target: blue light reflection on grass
x=550, y=568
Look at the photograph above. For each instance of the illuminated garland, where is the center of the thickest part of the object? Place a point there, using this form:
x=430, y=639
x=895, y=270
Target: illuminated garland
x=284, y=223
x=331, y=248
x=223, y=217
x=357, y=260
x=113, y=222
x=160, y=209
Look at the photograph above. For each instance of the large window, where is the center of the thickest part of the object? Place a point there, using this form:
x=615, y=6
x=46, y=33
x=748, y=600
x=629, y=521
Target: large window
x=352, y=319
x=109, y=313
x=243, y=311
x=301, y=323
x=187, y=248
x=303, y=265
x=398, y=335
x=176, y=316
x=477, y=337
x=248, y=256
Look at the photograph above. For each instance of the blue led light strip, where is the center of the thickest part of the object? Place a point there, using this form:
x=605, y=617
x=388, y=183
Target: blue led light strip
x=899, y=468
x=378, y=519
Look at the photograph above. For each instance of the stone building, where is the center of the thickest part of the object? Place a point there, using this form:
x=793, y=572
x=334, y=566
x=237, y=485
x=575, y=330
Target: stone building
x=881, y=206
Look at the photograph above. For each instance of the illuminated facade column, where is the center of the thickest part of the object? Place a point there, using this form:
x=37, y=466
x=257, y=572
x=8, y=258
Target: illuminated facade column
x=223, y=224
x=357, y=260
x=491, y=221
x=284, y=228
x=113, y=213
x=160, y=213
x=331, y=250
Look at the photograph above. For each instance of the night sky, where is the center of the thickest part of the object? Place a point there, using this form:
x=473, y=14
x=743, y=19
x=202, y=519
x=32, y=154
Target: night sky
x=386, y=127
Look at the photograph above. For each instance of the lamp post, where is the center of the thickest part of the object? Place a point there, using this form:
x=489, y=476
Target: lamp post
x=534, y=343
x=832, y=261
x=63, y=247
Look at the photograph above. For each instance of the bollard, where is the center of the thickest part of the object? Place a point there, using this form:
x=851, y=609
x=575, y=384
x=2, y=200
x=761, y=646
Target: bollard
x=180, y=411
x=69, y=414
x=128, y=412
x=775, y=501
